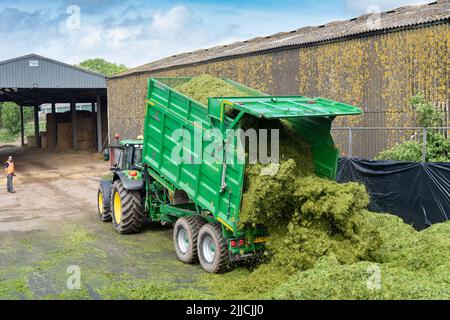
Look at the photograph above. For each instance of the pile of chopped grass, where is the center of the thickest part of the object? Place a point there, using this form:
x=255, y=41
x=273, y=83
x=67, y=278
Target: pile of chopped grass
x=330, y=280
x=323, y=240
x=414, y=266
x=309, y=218
x=428, y=250
x=306, y=216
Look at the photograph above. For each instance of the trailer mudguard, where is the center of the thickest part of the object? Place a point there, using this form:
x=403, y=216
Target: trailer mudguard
x=129, y=184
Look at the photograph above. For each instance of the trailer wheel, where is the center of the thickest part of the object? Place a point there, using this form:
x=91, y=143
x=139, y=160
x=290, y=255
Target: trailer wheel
x=127, y=209
x=213, y=249
x=104, y=211
x=185, y=237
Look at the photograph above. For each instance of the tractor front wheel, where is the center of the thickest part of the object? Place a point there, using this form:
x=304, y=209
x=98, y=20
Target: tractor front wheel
x=213, y=249
x=185, y=236
x=104, y=210
x=127, y=209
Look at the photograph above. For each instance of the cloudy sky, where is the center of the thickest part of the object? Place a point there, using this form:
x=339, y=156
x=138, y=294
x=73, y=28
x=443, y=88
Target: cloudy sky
x=135, y=32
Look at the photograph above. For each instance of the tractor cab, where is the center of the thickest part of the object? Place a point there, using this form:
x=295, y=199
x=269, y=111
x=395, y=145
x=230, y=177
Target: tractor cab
x=125, y=159
x=125, y=155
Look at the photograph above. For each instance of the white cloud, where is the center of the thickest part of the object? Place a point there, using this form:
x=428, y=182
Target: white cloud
x=361, y=6
x=117, y=36
x=172, y=21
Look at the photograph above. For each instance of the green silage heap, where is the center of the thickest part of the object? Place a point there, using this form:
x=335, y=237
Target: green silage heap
x=323, y=240
x=409, y=265
x=309, y=217
x=203, y=87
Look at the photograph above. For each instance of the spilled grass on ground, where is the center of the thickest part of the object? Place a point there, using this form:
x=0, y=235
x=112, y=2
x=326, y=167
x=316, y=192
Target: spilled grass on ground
x=413, y=265
x=112, y=266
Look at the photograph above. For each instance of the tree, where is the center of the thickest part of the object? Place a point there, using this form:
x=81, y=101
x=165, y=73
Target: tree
x=10, y=117
x=438, y=146
x=102, y=66
x=426, y=114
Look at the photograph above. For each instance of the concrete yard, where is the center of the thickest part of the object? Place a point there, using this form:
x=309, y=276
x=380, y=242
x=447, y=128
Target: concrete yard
x=49, y=228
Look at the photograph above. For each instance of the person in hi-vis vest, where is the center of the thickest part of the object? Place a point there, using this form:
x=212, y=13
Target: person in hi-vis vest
x=9, y=172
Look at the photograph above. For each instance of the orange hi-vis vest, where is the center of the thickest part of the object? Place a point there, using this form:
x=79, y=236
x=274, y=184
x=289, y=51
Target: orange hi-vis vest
x=10, y=168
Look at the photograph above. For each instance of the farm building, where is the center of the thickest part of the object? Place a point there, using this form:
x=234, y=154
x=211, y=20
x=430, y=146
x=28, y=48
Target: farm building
x=376, y=62
x=33, y=81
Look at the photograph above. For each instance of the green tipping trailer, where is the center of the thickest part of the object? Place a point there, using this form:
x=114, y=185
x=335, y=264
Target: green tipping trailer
x=203, y=197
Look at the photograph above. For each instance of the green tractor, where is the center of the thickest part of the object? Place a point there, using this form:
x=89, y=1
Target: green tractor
x=120, y=199
x=203, y=200
x=132, y=197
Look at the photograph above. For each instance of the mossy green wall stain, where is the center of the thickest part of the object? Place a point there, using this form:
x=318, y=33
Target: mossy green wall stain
x=378, y=73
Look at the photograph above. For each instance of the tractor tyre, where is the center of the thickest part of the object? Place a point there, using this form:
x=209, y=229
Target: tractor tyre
x=127, y=209
x=213, y=249
x=185, y=236
x=104, y=209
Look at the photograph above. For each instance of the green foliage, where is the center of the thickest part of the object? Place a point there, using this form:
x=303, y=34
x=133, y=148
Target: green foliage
x=11, y=118
x=6, y=137
x=438, y=146
x=438, y=150
x=10, y=121
x=29, y=128
x=103, y=67
x=426, y=114
x=408, y=151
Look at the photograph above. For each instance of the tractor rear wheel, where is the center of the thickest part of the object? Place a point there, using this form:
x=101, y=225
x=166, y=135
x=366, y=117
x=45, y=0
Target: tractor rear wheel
x=185, y=236
x=213, y=249
x=127, y=209
x=104, y=210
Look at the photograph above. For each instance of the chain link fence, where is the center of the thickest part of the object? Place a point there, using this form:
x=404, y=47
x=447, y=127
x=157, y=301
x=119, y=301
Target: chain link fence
x=368, y=142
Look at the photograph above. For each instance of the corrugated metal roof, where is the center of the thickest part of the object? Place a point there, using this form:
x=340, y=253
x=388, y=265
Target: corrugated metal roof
x=409, y=16
x=33, y=71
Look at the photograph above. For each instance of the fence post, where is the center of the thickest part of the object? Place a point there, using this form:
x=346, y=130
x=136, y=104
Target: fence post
x=424, y=146
x=350, y=142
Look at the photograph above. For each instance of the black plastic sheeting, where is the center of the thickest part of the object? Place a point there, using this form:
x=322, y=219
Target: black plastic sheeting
x=419, y=193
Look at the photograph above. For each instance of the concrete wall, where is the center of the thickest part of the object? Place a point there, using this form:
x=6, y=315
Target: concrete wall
x=378, y=73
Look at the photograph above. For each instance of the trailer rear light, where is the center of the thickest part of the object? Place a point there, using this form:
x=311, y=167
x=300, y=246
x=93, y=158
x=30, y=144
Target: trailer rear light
x=233, y=243
x=133, y=174
x=241, y=243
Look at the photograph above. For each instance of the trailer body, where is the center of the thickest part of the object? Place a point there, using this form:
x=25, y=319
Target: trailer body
x=214, y=187
x=180, y=186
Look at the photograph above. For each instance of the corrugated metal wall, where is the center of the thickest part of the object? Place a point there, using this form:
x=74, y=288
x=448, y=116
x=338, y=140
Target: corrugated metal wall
x=378, y=73
x=46, y=74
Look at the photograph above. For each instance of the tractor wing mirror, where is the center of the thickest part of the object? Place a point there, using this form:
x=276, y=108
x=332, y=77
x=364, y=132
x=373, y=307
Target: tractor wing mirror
x=106, y=156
